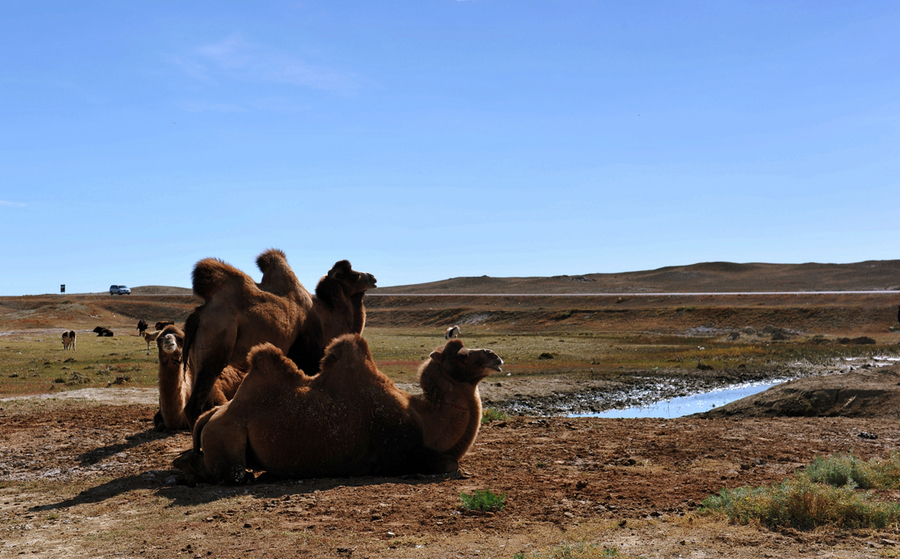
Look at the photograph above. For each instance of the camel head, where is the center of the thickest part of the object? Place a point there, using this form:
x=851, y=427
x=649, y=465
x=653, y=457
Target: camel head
x=463, y=364
x=170, y=340
x=351, y=282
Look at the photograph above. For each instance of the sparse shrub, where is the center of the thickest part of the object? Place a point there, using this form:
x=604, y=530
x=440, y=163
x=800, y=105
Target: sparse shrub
x=490, y=414
x=847, y=469
x=577, y=550
x=825, y=494
x=482, y=500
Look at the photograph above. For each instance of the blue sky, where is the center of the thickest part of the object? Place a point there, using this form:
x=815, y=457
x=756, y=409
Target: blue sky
x=424, y=140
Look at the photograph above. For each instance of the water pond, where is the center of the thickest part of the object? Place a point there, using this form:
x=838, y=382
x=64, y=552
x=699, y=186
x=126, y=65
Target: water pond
x=686, y=405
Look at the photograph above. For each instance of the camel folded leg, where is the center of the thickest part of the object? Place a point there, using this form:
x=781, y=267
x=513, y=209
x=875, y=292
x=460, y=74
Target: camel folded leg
x=224, y=449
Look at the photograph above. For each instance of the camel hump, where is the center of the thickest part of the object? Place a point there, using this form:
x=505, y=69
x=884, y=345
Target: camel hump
x=271, y=259
x=278, y=277
x=349, y=348
x=211, y=274
x=266, y=359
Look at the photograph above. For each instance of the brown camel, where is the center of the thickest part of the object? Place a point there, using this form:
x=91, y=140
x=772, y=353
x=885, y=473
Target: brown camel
x=175, y=382
x=238, y=314
x=349, y=420
x=339, y=301
x=150, y=337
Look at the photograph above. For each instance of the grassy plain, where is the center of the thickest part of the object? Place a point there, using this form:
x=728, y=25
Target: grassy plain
x=35, y=362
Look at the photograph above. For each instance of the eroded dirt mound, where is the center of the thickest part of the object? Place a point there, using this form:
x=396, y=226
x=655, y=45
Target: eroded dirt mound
x=860, y=393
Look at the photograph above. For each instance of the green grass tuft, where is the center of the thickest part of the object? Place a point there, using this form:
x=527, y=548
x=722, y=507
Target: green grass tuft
x=484, y=501
x=490, y=414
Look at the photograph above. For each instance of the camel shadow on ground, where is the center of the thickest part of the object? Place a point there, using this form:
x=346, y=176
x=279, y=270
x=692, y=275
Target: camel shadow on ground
x=180, y=492
x=133, y=440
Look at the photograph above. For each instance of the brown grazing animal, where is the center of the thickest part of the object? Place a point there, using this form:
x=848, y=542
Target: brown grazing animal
x=175, y=382
x=349, y=420
x=68, y=340
x=142, y=326
x=103, y=332
x=239, y=314
x=150, y=337
x=163, y=323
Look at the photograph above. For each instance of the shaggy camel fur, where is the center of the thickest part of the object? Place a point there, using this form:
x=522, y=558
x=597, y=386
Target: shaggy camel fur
x=239, y=314
x=68, y=340
x=349, y=420
x=339, y=301
x=163, y=323
x=175, y=382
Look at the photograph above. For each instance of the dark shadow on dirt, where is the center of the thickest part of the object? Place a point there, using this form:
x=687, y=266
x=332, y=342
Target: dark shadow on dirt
x=182, y=492
x=132, y=441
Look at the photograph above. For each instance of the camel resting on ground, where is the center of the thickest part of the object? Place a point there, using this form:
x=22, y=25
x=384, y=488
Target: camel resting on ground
x=175, y=382
x=239, y=314
x=349, y=420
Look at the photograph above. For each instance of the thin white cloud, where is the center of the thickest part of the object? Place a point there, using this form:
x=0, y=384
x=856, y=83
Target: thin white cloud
x=11, y=204
x=237, y=58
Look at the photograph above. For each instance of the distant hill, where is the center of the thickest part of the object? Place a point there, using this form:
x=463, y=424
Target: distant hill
x=160, y=290
x=726, y=277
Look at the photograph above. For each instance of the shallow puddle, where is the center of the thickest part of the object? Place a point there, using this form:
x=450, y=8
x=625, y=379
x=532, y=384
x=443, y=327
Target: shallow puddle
x=686, y=405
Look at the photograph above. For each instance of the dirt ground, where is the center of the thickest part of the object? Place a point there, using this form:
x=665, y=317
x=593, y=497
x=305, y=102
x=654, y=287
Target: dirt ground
x=629, y=484
x=87, y=478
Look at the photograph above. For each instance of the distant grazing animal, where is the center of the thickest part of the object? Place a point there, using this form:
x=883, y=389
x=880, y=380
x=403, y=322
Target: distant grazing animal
x=150, y=337
x=103, y=332
x=163, y=323
x=68, y=340
x=349, y=420
x=175, y=382
x=238, y=314
x=452, y=333
x=142, y=326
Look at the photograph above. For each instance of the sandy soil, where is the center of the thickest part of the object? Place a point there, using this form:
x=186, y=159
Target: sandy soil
x=84, y=477
x=630, y=484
